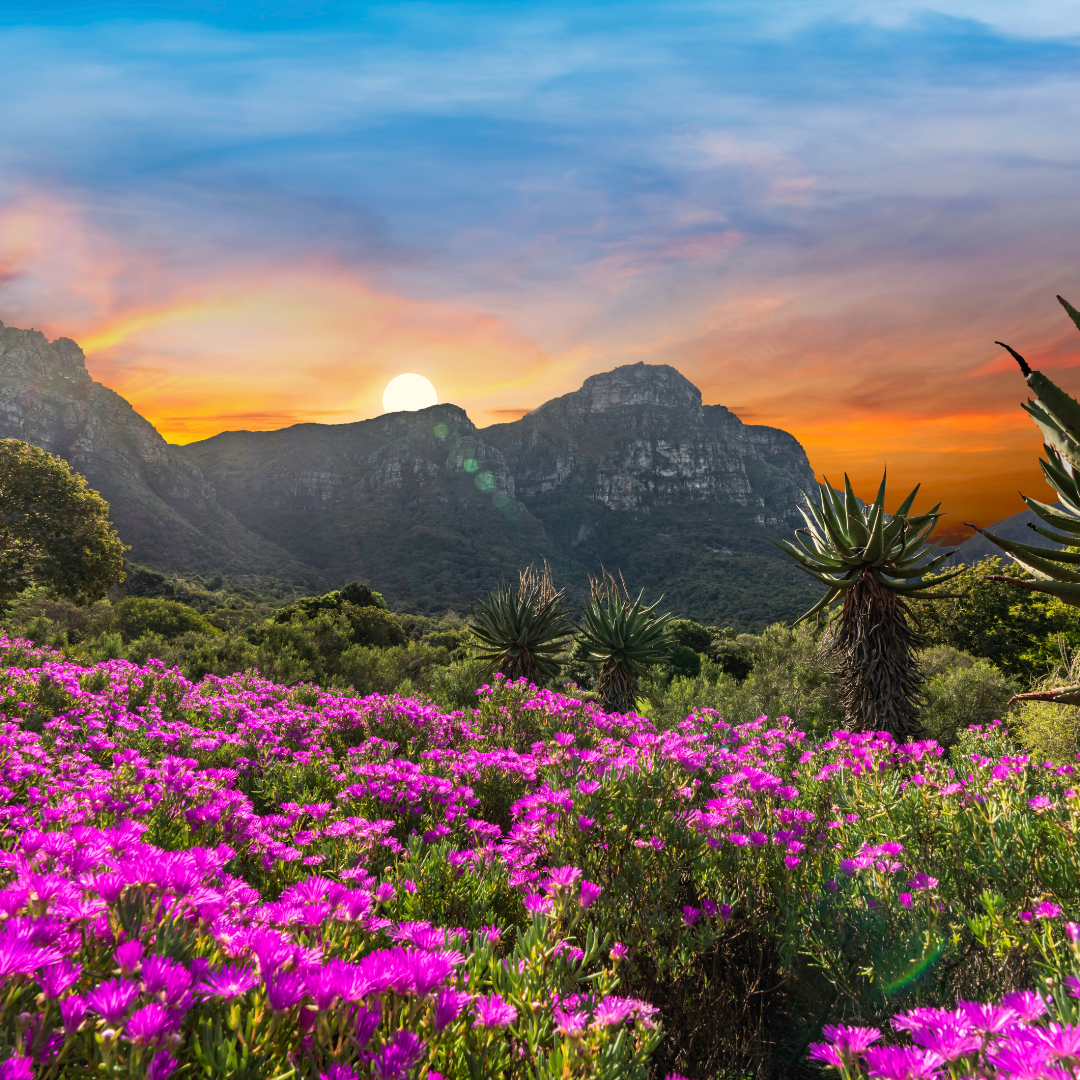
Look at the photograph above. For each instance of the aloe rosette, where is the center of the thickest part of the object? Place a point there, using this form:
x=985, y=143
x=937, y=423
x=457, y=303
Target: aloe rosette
x=522, y=632
x=872, y=561
x=627, y=637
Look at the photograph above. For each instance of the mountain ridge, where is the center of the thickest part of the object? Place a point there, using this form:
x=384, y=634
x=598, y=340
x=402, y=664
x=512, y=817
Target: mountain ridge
x=631, y=471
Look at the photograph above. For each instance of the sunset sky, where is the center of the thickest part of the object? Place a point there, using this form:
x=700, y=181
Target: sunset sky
x=822, y=212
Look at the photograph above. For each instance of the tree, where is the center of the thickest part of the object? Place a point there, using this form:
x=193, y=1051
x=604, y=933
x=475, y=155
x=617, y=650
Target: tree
x=873, y=562
x=54, y=530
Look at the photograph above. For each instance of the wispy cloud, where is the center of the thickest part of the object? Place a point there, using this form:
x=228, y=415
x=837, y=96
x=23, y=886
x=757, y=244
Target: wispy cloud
x=825, y=211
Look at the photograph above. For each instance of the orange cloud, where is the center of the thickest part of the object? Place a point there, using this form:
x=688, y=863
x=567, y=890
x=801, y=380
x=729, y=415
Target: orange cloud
x=246, y=346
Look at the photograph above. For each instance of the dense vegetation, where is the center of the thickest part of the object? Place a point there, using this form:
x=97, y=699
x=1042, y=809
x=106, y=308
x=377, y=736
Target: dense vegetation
x=242, y=879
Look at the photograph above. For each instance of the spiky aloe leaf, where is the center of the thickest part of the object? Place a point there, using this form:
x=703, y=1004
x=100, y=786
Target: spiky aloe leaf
x=1057, y=415
x=521, y=633
x=626, y=637
x=843, y=540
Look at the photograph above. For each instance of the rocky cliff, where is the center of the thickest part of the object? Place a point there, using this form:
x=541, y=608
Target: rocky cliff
x=160, y=502
x=631, y=471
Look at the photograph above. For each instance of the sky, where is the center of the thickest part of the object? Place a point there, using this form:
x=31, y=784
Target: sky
x=822, y=212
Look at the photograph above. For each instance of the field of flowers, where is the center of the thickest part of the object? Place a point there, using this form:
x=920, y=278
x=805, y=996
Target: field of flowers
x=233, y=878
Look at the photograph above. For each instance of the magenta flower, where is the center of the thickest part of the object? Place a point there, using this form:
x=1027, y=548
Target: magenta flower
x=385, y=892
x=589, y=894
x=55, y=979
x=398, y=1057
x=906, y=901
x=570, y=1023
x=17, y=1068
x=1063, y=1040
x=903, y=1063
x=161, y=1067
x=367, y=1020
x=230, y=982
x=1047, y=910
x=989, y=1018
x=827, y=1053
x=72, y=1013
x=950, y=1039
x=448, y=1006
x=426, y=971
x=128, y=956
x=1039, y=802
x=618, y=951
x=850, y=1040
x=338, y=1071
x=690, y=915
x=111, y=1000
x=791, y=861
x=725, y=912
x=284, y=990
x=1025, y=1003
x=150, y=1026
x=562, y=877
x=923, y=881
x=493, y=1012
x=709, y=908
x=584, y=823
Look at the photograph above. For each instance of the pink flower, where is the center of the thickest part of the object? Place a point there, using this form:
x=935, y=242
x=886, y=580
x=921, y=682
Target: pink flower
x=690, y=915
x=585, y=823
x=1039, y=802
x=493, y=1012
x=589, y=894
x=618, y=951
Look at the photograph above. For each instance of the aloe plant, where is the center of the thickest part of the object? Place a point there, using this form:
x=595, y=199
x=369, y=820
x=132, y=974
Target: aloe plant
x=625, y=636
x=521, y=632
x=872, y=561
x=1053, y=571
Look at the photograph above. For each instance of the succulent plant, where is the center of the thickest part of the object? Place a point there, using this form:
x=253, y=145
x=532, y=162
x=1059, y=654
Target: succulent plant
x=872, y=561
x=521, y=632
x=625, y=636
x=1053, y=571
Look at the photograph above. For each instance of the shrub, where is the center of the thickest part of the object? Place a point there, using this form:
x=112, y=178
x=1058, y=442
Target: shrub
x=960, y=690
x=137, y=616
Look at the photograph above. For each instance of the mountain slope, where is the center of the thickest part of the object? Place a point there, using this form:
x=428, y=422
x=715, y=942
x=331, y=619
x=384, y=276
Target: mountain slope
x=159, y=501
x=630, y=472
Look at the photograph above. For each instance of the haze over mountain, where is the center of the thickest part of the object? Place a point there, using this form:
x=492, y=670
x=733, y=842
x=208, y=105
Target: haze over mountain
x=631, y=471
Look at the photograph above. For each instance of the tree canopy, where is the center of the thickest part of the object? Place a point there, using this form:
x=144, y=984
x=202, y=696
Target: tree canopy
x=54, y=530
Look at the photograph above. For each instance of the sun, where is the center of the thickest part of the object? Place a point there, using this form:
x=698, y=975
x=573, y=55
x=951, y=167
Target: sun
x=407, y=393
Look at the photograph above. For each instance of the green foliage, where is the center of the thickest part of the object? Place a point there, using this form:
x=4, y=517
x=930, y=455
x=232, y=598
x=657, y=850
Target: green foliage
x=355, y=593
x=54, y=529
x=789, y=677
x=521, y=632
x=1057, y=415
x=983, y=615
x=688, y=634
x=1050, y=730
x=848, y=540
x=961, y=690
x=626, y=637
x=684, y=662
x=168, y=619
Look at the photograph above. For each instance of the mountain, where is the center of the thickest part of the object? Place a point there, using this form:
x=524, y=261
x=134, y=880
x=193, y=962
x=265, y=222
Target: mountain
x=160, y=503
x=1014, y=528
x=630, y=472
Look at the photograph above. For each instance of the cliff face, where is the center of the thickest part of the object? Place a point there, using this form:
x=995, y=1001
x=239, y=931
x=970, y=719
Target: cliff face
x=631, y=472
x=159, y=501
x=417, y=503
x=638, y=438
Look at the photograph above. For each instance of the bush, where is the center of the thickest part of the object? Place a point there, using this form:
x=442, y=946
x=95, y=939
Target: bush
x=314, y=883
x=367, y=670
x=960, y=690
x=137, y=616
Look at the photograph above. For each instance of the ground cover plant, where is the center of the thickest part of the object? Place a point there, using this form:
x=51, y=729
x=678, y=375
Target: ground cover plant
x=234, y=878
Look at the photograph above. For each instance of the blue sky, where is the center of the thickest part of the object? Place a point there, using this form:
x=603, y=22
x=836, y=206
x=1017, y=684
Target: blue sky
x=822, y=213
